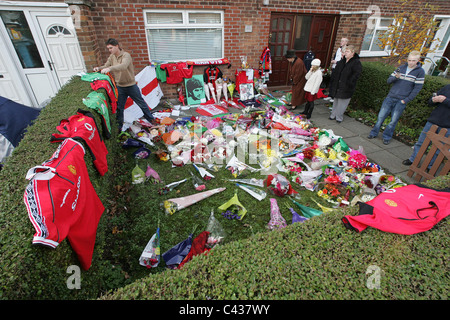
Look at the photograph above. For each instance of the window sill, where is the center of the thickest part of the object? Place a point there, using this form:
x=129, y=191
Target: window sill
x=366, y=54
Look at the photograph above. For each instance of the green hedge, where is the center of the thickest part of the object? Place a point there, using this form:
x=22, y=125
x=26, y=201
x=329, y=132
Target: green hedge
x=372, y=88
x=317, y=260
x=34, y=272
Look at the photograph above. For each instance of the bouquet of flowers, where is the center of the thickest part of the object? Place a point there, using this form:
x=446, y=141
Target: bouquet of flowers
x=357, y=159
x=279, y=185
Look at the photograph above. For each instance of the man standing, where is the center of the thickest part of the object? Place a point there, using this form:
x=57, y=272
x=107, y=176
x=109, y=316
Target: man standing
x=407, y=81
x=120, y=64
x=440, y=116
x=337, y=57
x=297, y=73
x=339, y=54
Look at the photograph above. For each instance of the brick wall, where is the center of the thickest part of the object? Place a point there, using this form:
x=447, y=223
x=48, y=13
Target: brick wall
x=123, y=19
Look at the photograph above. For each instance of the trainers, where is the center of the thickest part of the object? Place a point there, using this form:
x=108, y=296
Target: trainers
x=338, y=121
x=386, y=141
x=407, y=162
x=371, y=136
x=331, y=118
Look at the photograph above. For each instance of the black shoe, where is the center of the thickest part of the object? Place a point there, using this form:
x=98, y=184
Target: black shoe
x=386, y=141
x=407, y=162
x=371, y=137
x=338, y=121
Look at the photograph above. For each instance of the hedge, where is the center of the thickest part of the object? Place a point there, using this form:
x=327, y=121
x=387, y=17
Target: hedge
x=34, y=272
x=372, y=88
x=317, y=260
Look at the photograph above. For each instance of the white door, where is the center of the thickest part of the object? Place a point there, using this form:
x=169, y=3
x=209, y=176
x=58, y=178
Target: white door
x=443, y=34
x=62, y=43
x=30, y=58
x=11, y=85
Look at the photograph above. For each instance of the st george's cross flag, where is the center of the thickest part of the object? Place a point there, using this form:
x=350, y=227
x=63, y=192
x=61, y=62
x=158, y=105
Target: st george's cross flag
x=151, y=92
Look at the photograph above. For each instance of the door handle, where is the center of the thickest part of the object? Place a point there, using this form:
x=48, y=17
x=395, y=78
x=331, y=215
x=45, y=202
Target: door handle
x=50, y=64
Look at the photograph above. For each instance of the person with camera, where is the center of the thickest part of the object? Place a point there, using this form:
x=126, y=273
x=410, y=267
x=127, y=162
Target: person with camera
x=406, y=82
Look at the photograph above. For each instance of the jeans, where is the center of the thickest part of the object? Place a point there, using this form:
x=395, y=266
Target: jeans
x=421, y=139
x=390, y=106
x=135, y=94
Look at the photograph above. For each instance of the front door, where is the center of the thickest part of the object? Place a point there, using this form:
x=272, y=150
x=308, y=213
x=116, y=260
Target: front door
x=11, y=85
x=279, y=43
x=40, y=53
x=301, y=33
x=62, y=44
x=30, y=59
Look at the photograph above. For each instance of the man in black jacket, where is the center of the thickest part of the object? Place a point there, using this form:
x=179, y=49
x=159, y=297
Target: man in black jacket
x=440, y=116
x=343, y=82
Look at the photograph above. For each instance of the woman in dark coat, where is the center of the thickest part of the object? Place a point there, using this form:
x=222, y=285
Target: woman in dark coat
x=297, y=74
x=343, y=82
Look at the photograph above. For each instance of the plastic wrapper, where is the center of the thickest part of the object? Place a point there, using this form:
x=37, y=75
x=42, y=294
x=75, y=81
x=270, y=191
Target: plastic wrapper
x=131, y=143
x=137, y=175
x=198, y=183
x=307, y=211
x=254, y=192
x=217, y=233
x=296, y=217
x=150, y=257
x=175, y=204
x=150, y=173
x=234, y=208
x=276, y=219
x=279, y=185
x=203, y=172
x=141, y=153
x=169, y=187
x=251, y=181
x=236, y=167
x=175, y=255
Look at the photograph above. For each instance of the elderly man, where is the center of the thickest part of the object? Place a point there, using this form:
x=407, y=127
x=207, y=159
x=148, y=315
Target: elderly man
x=406, y=82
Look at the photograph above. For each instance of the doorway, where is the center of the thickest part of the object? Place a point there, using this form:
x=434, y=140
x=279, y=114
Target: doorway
x=40, y=52
x=302, y=33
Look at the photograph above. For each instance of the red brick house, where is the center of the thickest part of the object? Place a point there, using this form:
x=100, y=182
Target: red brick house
x=181, y=30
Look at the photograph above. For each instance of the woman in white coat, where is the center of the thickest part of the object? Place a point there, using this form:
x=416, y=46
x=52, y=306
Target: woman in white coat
x=312, y=86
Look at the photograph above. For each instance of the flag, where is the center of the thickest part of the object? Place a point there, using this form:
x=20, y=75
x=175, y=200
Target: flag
x=151, y=92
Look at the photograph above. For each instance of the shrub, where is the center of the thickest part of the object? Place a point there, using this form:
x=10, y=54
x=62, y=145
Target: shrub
x=317, y=260
x=33, y=272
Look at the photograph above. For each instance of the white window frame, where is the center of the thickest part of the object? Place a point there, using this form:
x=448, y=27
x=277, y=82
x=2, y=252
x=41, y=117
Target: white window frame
x=377, y=27
x=185, y=24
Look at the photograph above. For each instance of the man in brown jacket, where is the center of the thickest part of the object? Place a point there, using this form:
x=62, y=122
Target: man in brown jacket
x=297, y=74
x=120, y=64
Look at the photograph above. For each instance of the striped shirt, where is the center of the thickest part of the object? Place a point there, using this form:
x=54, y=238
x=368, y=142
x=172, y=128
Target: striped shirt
x=408, y=85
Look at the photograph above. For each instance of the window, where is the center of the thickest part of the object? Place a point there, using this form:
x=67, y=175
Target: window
x=58, y=30
x=184, y=35
x=22, y=39
x=371, y=45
